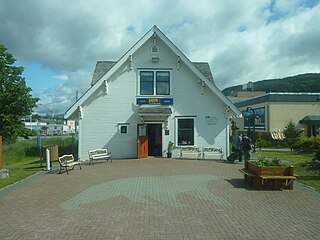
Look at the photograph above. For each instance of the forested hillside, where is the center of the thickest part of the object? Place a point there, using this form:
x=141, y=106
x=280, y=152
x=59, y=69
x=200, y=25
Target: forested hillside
x=309, y=82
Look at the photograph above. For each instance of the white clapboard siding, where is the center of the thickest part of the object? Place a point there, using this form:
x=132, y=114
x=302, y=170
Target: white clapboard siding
x=102, y=112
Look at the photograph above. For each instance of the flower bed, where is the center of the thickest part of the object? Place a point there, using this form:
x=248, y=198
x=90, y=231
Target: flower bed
x=275, y=177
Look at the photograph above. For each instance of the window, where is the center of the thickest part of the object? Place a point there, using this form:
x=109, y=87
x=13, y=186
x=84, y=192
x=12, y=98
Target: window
x=185, y=131
x=123, y=128
x=146, y=83
x=154, y=82
x=163, y=83
x=256, y=118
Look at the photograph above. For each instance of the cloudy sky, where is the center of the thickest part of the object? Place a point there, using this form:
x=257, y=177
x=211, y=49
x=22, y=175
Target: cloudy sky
x=58, y=41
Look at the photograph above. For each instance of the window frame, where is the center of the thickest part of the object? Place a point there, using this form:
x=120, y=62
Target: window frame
x=177, y=131
x=120, y=126
x=155, y=89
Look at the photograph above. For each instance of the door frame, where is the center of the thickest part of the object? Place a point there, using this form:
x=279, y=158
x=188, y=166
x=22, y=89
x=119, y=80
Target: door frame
x=162, y=133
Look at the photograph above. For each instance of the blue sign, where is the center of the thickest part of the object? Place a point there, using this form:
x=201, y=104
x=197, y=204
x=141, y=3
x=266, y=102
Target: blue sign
x=155, y=101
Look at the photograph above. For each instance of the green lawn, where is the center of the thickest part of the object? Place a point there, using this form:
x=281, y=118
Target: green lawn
x=296, y=159
x=23, y=158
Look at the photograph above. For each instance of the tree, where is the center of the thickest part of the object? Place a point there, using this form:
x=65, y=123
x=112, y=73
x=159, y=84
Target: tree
x=16, y=100
x=292, y=134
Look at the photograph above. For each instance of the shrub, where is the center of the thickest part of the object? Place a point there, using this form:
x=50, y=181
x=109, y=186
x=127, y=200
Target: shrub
x=292, y=134
x=264, y=161
x=306, y=144
x=261, y=142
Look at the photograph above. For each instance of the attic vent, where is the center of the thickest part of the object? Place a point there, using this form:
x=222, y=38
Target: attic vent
x=154, y=50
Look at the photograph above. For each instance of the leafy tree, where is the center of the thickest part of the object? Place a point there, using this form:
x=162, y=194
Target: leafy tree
x=292, y=134
x=16, y=100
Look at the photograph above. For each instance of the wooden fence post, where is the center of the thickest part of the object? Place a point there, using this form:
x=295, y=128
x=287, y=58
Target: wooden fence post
x=1, y=153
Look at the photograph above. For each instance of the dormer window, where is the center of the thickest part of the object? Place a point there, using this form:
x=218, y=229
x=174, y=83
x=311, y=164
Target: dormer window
x=154, y=82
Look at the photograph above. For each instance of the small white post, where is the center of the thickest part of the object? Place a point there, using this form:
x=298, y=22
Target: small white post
x=48, y=159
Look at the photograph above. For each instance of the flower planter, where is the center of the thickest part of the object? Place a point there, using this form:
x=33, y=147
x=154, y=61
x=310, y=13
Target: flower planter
x=269, y=177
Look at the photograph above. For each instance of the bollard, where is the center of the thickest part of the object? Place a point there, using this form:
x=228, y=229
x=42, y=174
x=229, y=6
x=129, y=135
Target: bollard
x=48, y=159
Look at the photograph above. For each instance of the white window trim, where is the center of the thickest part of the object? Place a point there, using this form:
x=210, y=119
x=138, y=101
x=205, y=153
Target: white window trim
x=123, y=125
x=154, y=82
x=195, y=142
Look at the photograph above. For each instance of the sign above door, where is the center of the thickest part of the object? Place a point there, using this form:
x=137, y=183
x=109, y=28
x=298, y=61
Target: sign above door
x=155, y=101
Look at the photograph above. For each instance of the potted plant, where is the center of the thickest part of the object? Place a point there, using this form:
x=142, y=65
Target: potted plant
x=170, y=148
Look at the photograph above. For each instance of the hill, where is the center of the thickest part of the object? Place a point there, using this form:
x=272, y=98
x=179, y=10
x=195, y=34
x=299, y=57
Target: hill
x=309, y=82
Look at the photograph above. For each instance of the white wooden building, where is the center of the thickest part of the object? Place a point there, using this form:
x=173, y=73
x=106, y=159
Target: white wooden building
x=152, y=95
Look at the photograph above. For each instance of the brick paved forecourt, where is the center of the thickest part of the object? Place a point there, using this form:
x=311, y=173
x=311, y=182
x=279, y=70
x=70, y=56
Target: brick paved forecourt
x=155, y=199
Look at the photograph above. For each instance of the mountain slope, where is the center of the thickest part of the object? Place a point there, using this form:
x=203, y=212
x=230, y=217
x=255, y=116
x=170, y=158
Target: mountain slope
x=309, y=82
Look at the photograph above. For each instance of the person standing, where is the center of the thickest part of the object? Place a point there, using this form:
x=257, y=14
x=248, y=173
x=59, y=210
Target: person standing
x=246, y=147
x=238, y=147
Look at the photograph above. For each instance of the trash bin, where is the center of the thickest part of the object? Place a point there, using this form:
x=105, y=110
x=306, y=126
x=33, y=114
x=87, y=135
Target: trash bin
x=54, y=152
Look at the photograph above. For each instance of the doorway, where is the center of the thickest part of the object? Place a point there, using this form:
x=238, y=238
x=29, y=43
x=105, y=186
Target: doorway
x=155, y=140
x=149, y=140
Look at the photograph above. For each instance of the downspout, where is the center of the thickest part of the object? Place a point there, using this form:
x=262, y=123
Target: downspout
x=227, y=132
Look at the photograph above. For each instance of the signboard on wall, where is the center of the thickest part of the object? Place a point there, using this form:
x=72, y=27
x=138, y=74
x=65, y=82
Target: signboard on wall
x=211, y=120
x=155, y=101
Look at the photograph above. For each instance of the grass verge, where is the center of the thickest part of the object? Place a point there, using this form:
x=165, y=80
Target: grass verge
x=296, y=159
x=23, y=158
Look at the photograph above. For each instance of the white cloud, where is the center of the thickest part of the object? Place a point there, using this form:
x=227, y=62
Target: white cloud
x=243, y=41
x=58, y=99
x=63, y=77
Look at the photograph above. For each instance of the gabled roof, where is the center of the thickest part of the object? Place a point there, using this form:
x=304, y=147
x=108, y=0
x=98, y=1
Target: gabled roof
x=194, y=68
x=102, y=67
x=204, y=68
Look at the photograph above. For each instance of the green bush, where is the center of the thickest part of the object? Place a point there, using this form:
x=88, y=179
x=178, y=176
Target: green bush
x=262, y=143
x=292, y=134
x=264, y=161
x=308, y=144
x=317, y=155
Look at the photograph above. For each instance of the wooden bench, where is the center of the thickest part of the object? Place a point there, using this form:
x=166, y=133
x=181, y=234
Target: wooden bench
x=192, y=151
x=288, y=180
x=99, y=154
x=212, y=151
x=260, y=181
x=67, y=161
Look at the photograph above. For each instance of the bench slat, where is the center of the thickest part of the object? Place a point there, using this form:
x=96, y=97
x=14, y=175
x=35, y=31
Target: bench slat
x=277, y=177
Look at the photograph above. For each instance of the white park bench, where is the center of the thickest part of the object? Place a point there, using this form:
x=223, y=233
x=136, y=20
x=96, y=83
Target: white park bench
x=190, y=152
x=212, y=153
x=99, y=154
x=67, y=161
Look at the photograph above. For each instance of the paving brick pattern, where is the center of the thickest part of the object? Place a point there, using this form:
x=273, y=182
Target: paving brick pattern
x=155, y=199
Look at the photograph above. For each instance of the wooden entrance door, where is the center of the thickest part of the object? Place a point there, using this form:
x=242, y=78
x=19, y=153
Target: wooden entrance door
x=142, y=141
